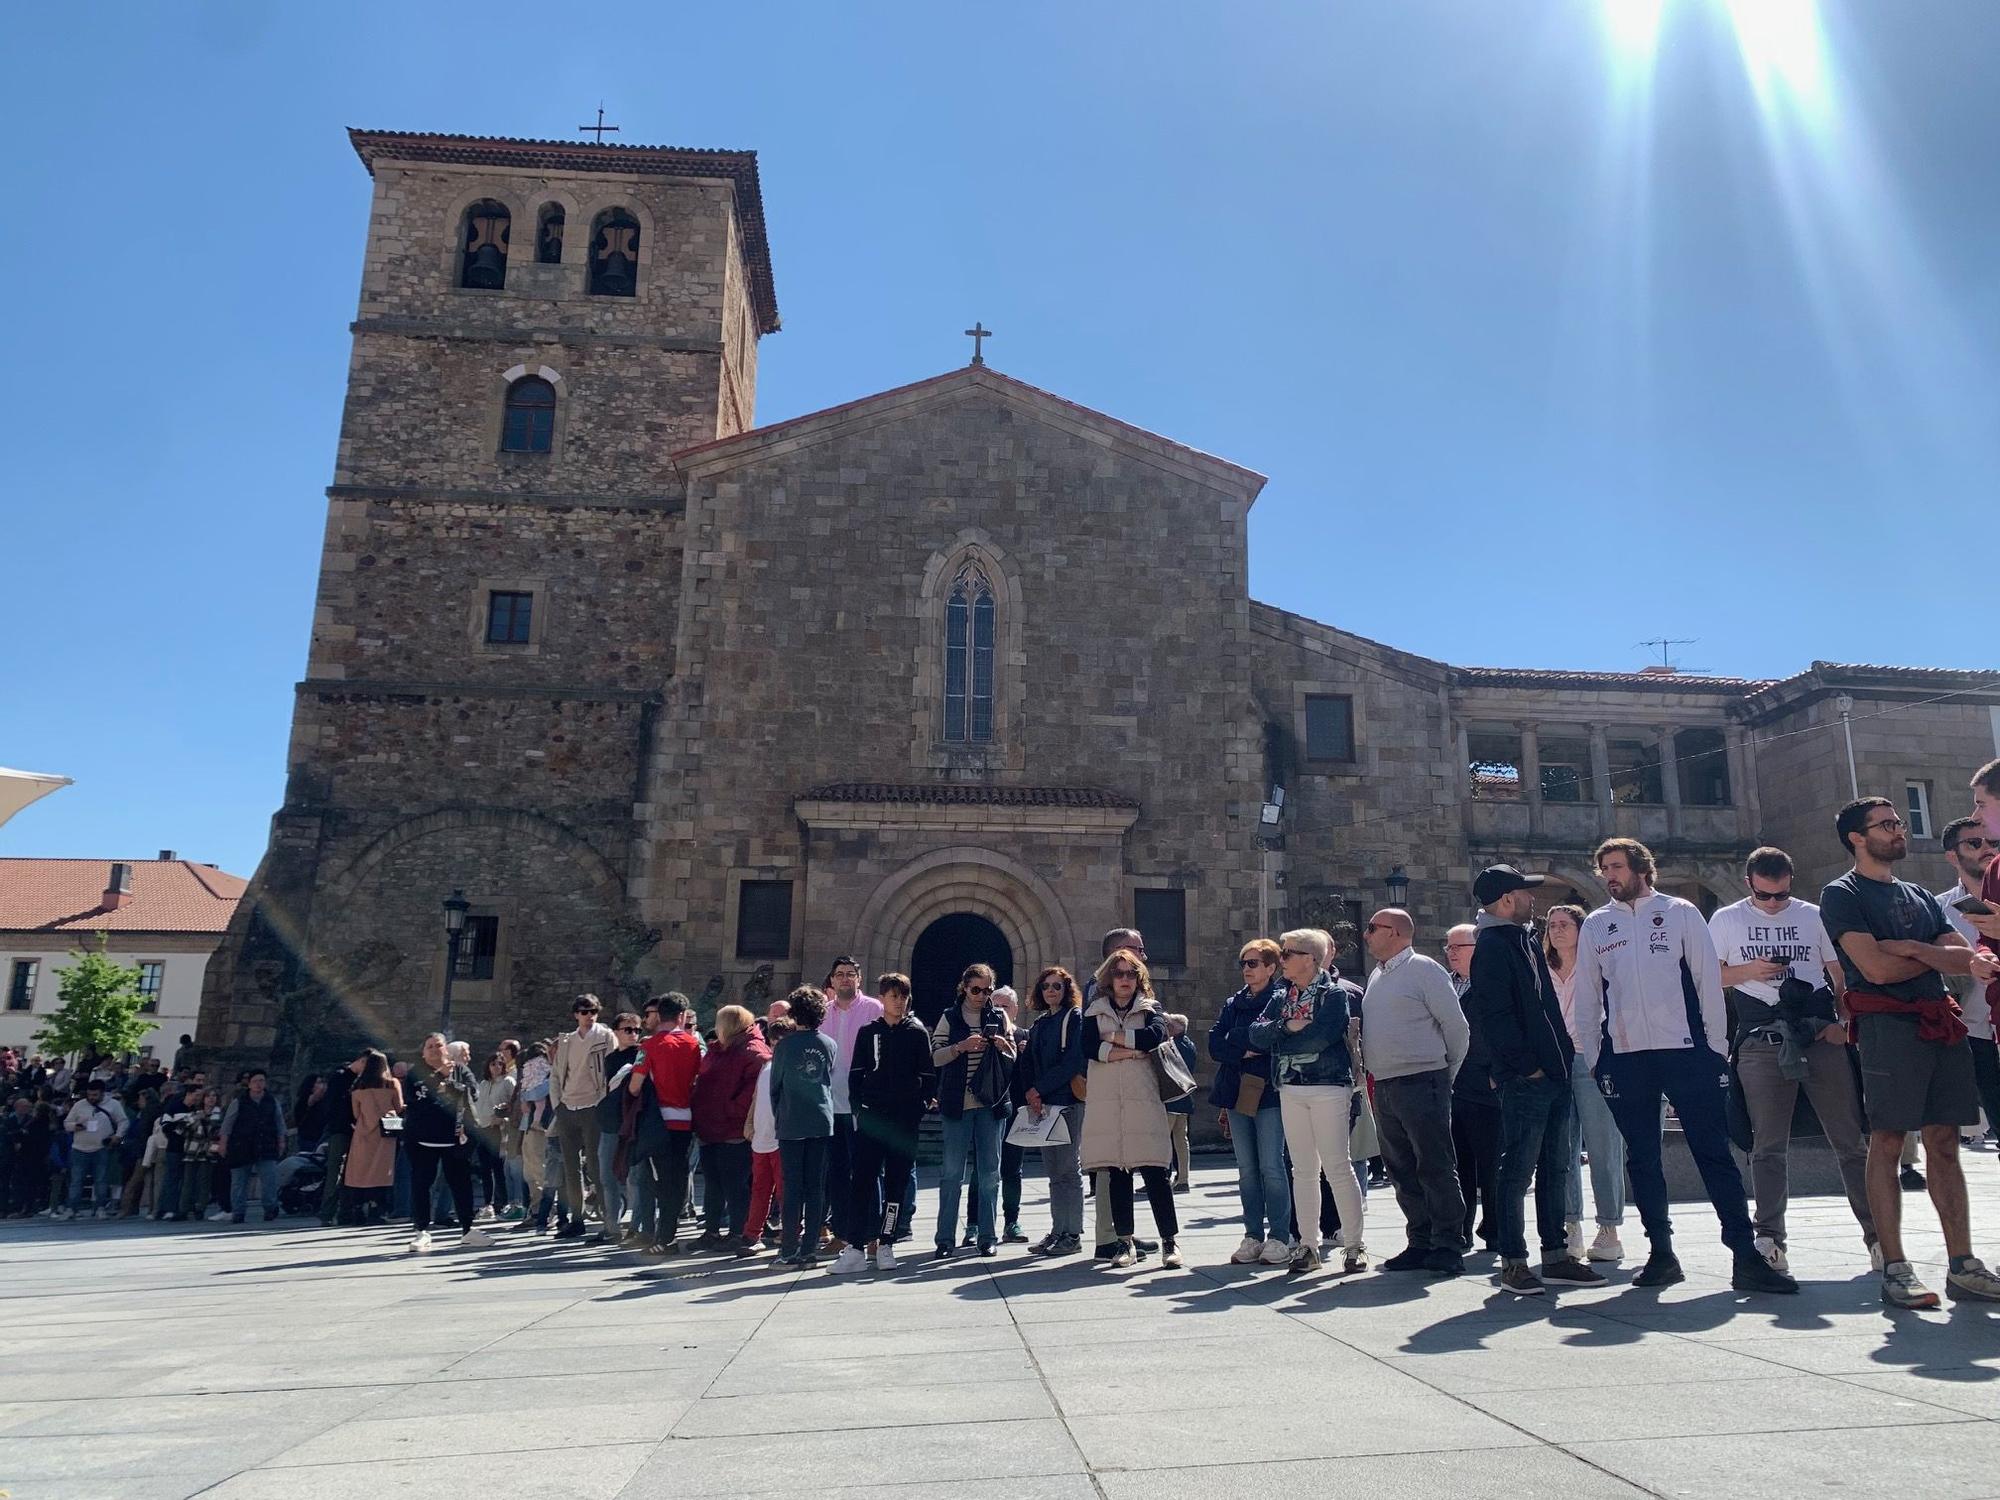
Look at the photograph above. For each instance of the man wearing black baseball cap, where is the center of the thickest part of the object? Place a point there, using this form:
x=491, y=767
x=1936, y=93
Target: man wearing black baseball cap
x=1514, y=1006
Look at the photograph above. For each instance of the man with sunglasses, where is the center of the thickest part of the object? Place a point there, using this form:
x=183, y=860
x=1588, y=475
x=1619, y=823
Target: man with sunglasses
x=1762, y=940
x=1916, y=1071
x=1970, y=848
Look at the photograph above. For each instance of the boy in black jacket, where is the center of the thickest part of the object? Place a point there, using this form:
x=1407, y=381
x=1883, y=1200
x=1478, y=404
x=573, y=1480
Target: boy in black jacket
x=889, y=1081
x=1516, y=1014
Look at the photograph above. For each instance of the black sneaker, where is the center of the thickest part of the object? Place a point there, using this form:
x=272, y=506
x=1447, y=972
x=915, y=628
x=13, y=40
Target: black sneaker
x=571, y=1231
x=1662, y=1268
x=1752, y=1273
x=1444, y=1263
x=943, y=1252
x=1106, y=1252
x=1515, y=1277
x=1912, y=1180
x=1145, y=1247
x=1408, y=1259
x=1572, y=1271
x=1064, y=1244
x=1041, y=1246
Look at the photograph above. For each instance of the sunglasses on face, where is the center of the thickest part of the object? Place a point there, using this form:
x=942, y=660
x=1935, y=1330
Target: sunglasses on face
x=979, y=989
x=1124, y=973
x=628, y=1031
x=1973, y=841
x=1377, y=927
x=1252, y=963
x=1757, y=895
x=1294, y=953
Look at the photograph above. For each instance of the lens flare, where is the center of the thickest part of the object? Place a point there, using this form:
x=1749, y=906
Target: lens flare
x=1784, y=54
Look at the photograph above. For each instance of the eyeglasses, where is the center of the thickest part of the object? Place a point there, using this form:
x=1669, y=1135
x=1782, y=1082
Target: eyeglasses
x=1124, y=973
x=1450, y=946
x=1757, y=895
x=1296, y=953
x=1252, y=963
x=979, y=989
x=1377, y=927
x=1973, y=841
x=1892, y=825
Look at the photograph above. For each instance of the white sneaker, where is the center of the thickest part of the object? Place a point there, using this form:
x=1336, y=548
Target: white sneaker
x=850, y=1260
x=1277, y=1252
x=1606, y=1246
x=1249, y=1250
x=1573, y=1239
x=1875, y=1258
x=475, y=1239
x=485, y=1212
x=885, y=1256
x=61, y=1213
x=219, y=1216
x=1353, y=1258
x=1124, y=1257
x=421, y=1245
x=1772, y=1251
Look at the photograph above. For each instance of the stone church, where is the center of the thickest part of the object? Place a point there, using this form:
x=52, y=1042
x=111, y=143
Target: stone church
x=962, y=670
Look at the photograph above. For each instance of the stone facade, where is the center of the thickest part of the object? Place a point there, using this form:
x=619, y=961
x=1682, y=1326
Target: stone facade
x=729, y=747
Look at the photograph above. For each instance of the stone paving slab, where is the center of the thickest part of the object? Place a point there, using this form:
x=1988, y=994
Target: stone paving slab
x=302, y=1362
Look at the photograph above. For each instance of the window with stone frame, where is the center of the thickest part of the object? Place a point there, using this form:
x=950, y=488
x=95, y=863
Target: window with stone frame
x=478, y=946
x=510, y=618
x=1329, y=728
x=152, y=976
x=549, y=235
x=614, y=255
x=21, y=984
x=970, y=619
x=528, y=416
x=1161, y=917
x=764, y=919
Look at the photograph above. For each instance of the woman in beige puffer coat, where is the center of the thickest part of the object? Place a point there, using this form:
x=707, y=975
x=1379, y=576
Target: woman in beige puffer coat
x=1125, y=1128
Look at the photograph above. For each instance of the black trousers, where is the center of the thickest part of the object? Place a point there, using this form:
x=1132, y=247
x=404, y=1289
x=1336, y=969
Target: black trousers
x=725, y=1177
x=1010, y=1183
x=492, y=1173
x=1986, y=1073
x=1159, y=1193
x=668, y=1167
x=1413, y=1114
x=1475, y=1139
x=883, y=1172
x=839, y=1180
x=425, y=1164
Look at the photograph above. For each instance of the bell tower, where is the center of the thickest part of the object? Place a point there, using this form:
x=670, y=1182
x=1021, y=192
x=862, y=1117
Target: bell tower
x=542, y=324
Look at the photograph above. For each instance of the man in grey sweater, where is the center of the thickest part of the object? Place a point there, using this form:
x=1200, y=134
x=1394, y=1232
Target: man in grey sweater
x=1414, y=1036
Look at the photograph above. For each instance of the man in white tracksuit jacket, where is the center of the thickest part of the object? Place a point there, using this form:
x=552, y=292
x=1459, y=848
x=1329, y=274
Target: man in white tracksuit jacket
x=1650, y=1021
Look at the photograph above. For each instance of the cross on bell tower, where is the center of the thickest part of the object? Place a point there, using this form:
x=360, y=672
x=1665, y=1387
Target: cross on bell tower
x=978, y=333
x=600, y=128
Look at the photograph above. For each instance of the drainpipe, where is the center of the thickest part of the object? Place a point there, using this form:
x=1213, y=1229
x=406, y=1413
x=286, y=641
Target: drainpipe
x=1846, y=706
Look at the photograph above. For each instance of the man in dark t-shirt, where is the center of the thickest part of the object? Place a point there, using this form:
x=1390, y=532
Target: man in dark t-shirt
x=1916, y=1069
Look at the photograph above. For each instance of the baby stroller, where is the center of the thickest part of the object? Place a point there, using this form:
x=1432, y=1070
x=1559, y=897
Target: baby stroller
x=301, y=1177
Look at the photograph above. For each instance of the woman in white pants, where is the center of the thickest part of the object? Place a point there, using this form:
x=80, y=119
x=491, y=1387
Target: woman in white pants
x=1305, y=1030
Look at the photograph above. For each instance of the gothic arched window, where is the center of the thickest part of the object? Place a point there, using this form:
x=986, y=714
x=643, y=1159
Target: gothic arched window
x=528, y=424
x=548, y=235
x=968, y=657
x=614, y=255
x=483, y=247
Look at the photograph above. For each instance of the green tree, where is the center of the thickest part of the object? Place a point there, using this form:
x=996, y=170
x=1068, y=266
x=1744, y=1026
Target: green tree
x=97, y=1007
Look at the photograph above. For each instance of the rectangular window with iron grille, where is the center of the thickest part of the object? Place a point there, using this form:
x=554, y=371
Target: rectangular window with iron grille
x=1329, y=727
x=21, y=984
x=1161, y=917
x=152, y=975
x=509, y=618
x=477, y=945
x=764, y=919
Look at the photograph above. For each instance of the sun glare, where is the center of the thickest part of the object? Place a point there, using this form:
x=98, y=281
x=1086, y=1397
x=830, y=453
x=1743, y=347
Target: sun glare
x=1783, y=53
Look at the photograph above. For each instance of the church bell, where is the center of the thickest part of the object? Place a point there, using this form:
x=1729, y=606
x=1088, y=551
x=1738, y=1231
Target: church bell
x=486, y=252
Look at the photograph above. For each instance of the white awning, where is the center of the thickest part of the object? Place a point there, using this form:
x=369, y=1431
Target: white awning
x=19, y=788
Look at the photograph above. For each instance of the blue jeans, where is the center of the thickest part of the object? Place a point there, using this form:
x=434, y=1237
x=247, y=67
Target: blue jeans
x=1695, y=1081
x=1065, y=1180
x=267, y=1188
x=1594, y=1130
x=95, y=1165
x=1263, y=1181
x=1535, y=1118
x=613, y=1185
x=974, y=1134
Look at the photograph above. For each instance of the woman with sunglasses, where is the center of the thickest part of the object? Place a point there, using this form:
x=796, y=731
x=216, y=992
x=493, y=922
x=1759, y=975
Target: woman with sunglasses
x=973, y=1048
x=1596, y=1133
x=1305, y=1029
x=1125, y=1129
x=618, y=1065
x=1243, y=1091
x=1057, y=1055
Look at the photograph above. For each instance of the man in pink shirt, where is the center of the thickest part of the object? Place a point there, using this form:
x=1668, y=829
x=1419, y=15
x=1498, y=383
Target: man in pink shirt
x=847, y=1011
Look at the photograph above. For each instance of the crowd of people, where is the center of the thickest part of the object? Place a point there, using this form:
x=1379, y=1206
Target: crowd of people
x=1540, y=1056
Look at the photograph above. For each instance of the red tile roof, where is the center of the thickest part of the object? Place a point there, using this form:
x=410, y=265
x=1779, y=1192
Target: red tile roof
x=964, y=792
x=739, y=167
x=67, y=895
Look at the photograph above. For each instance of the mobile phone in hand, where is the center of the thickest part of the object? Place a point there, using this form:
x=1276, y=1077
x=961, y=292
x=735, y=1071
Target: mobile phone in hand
x=1972, y=906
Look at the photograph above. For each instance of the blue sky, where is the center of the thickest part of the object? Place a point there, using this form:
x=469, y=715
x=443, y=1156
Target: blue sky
x=1553, y=330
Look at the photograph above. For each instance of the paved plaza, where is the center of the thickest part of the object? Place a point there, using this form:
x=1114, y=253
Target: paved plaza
x=140, y=1364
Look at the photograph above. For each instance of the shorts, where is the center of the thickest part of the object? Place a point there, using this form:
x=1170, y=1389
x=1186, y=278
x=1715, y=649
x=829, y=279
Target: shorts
x=1907, y=1083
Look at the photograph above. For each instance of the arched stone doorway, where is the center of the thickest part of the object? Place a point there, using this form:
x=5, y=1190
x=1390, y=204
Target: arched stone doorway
x=943, y=950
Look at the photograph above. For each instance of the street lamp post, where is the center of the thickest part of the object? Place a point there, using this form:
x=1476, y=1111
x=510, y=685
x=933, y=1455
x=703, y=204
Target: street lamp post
x=455, y=908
